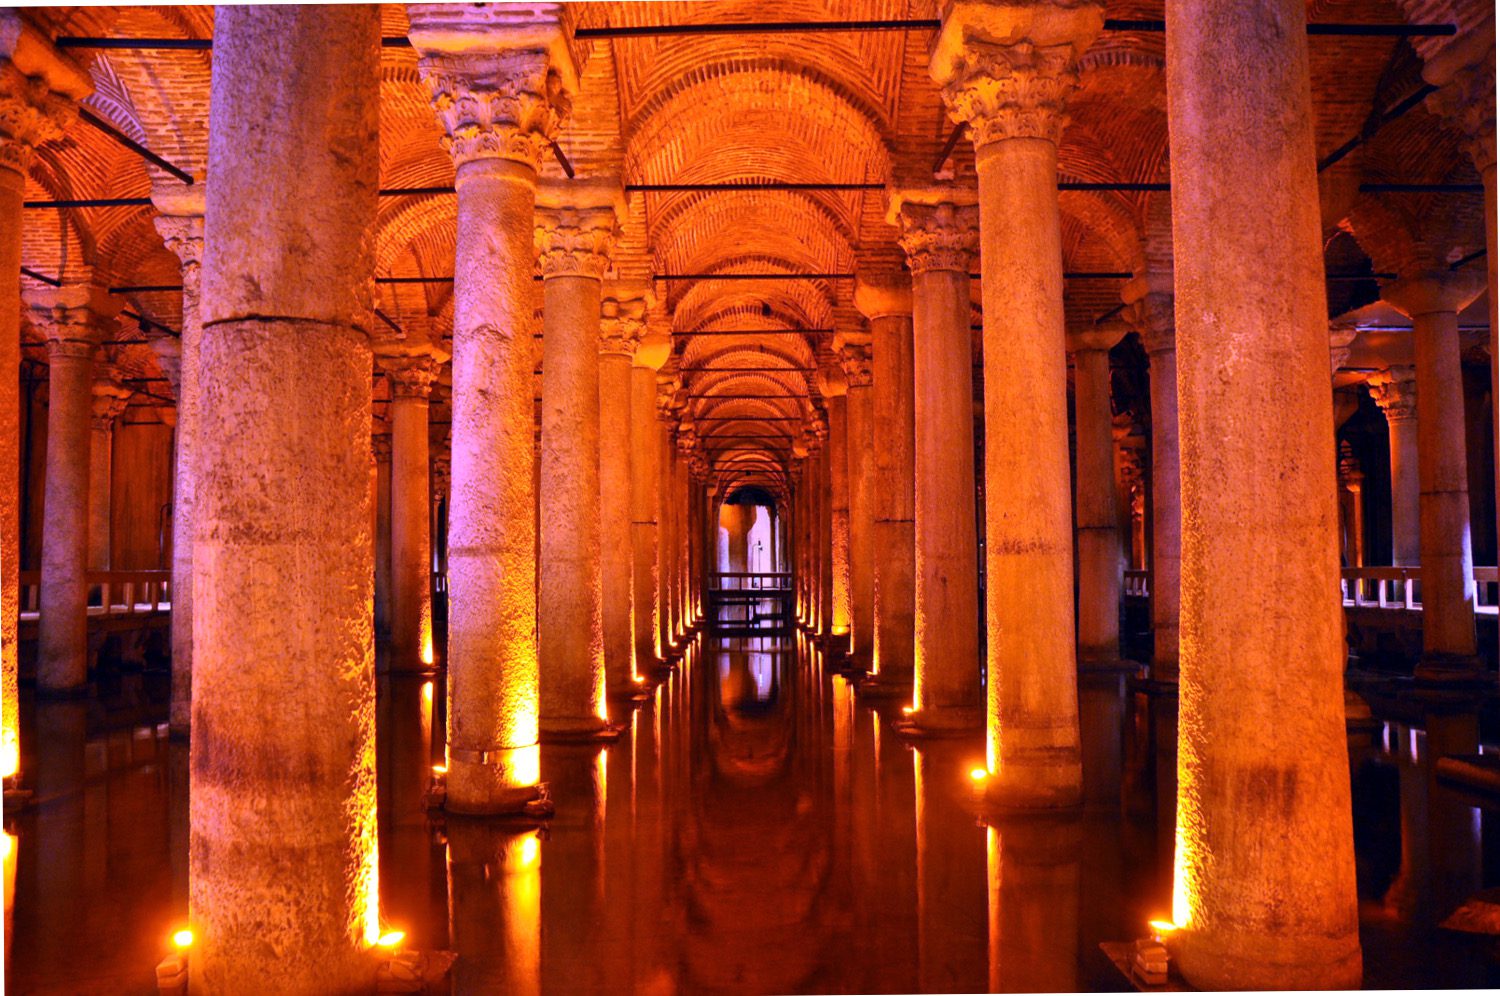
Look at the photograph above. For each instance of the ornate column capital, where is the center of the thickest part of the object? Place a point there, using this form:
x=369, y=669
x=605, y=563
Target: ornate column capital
x=442, y=470
x=501, y=77
x=380, y=447
x=622, y=323
x=1101, y=338
x=73, y=319
x=1463, y=70
x=577, y=224
x=1006, y=69
x=668, y=385
x=936, y=234
x=857, y=360
x=411, y=374
x=1153, y=314
x=1431, y=293
x=1341, y=336
x=883, y=293
x=110, y=399
x=1395, y=391
x=183, y=235
x=1350, y=476
x=39, y=90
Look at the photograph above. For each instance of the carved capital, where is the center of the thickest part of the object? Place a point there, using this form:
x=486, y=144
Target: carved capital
x=110, y=400
x=856, y=359
x=1436, y=292
x=39, y=90
x=380, y=447
x=73, y=319
x=1395, y=391
x=1341, y=336
x=575, y=242
x=1350, y=476
x=939, y=236
x=183, y=234
x=410, y=376
x=1468, y=100
x=882, y=294
x=1154, y=316
x=621, y=326
x=1102, y=338
x=1007, y=69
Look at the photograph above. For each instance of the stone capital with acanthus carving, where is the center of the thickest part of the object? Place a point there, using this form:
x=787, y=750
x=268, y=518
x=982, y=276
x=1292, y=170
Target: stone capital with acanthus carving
x=500, y=77
x=39, y=90
x=856, y=358
x=1395, y=391
x=1463, y=70
x=183, y=235
x=1153, y=314
x=411, y=375
x=1007, y=69
x=380, y=447
x=940, y=236
x=621, y=325
x=73, y=319
x=110, y=399
x=575, y=242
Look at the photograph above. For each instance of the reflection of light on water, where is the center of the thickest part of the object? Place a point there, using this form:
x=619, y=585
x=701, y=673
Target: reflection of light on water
x=760, y=670
x=9, y=843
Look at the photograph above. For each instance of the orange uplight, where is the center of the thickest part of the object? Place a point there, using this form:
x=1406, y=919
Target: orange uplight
x=531, y=849
x=391, y=939
x=427, y=691
x=439, y=769
x=639, y=679
x=907, y=710
x=183, y=939
x=1161, y=927
x=979, y=774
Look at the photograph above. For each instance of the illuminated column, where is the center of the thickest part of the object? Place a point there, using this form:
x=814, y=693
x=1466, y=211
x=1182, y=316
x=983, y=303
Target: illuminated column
x=1395, y=391
x=665, y=453
x=1153, y=313
x=499, y=78
x=645, y=481
x=1264, y=889
x=859, y=445
x=1007, y=70
x=620, y=333
x=380, y=450
x=941, y=239
x=180, y=225
x=576, y=230
x=38, y=90
x=1433, y=301
x=1351, y=484
x=682, y=529
x=110, y=399
x=835, y=386
x=495, y=907
x=1095, y=504
x=73, y=320
x=885, y=300
x=1465, y=71
x=409, y=374
x=828, y=459
x=284, y=870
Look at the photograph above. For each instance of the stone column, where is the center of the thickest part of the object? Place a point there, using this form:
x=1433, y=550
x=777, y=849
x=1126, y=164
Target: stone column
x=859, y=446
x=180, y=225
x=941, y=239
x=665, y=454
x=682, y=531
x=1432, y=301
x=380, y=451
x=620, y=333
x=73, y=320
x=1395, y=391
x=39, y=88
x=1006, y=70
x=1153, y=313
x=500, y=79
x=575, y=233
x=284, y=870
x=834, y=387
x=110, y=398
x=1095, y=505
x=409, y=373
x=885, y=300
x=645, y=483
x=1351, y=485
x=1264, y=893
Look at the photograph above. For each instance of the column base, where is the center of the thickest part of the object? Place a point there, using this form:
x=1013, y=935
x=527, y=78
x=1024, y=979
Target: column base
x=579, y=731
x=941, y=723
x=636, y=691
x=1452, y=670
x=479, y=785
x=885, y=685
x=1237, y=959
x=1039, y=783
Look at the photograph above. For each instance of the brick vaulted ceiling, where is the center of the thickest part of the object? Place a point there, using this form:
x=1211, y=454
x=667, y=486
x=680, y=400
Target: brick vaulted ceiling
x=822, y=108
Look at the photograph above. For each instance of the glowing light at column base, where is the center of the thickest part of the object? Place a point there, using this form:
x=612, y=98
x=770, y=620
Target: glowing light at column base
x=10, y=754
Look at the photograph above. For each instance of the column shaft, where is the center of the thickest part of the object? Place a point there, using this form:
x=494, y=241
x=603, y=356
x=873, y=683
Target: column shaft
x=1095, y=509
x=644, y=483
x=411, y=529
x=1166, y=514
x=284, y=869
x=860, y=446
x=12, y=199
x=616, y=562
x=1406, y=491
x=1255, y=908
x=666, y=453
x=101, y=452
x=895, y=493
x=837, y=459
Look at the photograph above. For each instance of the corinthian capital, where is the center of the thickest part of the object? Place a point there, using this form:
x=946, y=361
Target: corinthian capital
x=501, y=77
x=621, y=325
x=576, y=227
x=411, y=374
x=937, y=235
x=855, y=357
x=110, y=399
x=39, y=90
x=73, y=319
x=1395, y=391
x=1006, y=69
x=183, y=235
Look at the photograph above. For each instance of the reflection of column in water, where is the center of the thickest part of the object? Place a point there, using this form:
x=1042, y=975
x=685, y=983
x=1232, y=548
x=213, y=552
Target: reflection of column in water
x=618, y=922
x=1410, y=893
x=54, y=887
x=403, y=729
x=10, y=857
x=494, y=903
x=573, y=879
x=178, y=827
x=895, y=818
x=951, y=900
x=1101, y=713
x=1034, y=878
x=1453, y=825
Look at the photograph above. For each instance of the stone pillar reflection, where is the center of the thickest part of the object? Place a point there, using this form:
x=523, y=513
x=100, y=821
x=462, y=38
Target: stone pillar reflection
x=110, y=399
x=500, y=80
x=859, y=445
x=1095, y=505
x=1433, y=301
x=284, y=870
x=1154, y=315
x=73, y=320
x=576, y=230
x=885, y=300
x=1395, y=391
x=410, y=374
x=941, y=239
x=1256, y=909
x=495, y=907
x=180, y=225
x=39, y=88
x=1006, y=71
x=620, y=333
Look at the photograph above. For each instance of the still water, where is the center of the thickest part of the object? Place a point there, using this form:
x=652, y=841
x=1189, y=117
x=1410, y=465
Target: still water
x=756, y=829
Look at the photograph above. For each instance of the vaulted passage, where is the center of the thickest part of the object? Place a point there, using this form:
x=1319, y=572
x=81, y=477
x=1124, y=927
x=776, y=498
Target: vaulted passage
x=780, y=497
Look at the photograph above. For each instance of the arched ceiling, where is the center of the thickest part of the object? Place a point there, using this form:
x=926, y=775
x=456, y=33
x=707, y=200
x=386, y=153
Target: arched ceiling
x=849, y=107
